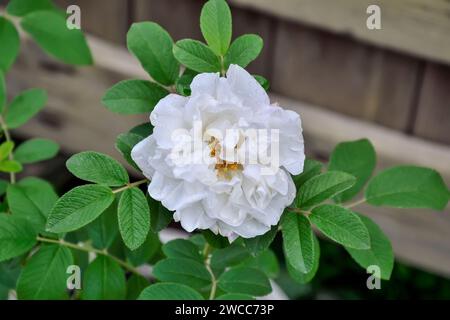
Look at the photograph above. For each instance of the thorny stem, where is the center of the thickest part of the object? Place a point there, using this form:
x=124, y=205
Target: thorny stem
x=90, y=249
x=131, y=185
x=206, y=254
x=12, y=175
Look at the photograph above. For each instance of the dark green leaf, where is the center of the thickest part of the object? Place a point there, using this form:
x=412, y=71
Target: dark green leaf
x=215, y=240
x=266, y=262
x=135, y=285
x=245, y=280
x=311, y=168
x=229, y=256
x=341, y=225
x=22, y=7
x=36, y=150
x=183, y=84
x=306, y=277
x=196, y=56
x=133, y=96
x=145, y=252
x=169, y=291
x=261, y=243
x=244, y=50
x=9, y=38
x=103, y=230
x=17, y=236
x=262, y=81
x=185, y=271
x=55, y=38
x=180, y=248
x=144, y=130
x=160, y=217
x=125, y=143
x=235, y=296
x=24, y=107
x=2, y=91
x=79, y=207
x=98, y=168
x=216, y=25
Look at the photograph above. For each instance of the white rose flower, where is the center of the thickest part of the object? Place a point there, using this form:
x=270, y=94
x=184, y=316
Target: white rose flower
x=212, y=188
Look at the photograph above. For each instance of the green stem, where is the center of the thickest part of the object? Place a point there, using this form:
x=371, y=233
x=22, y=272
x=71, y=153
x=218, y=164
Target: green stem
x=356, y=203
x=12, y=175
x=90, y=249
x=206, y=253
x=131, y=185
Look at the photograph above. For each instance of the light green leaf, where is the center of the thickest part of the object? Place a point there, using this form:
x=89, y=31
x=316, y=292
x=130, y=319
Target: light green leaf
x=135, y=285
x=229, y=256
x=303, y=278
x=103, y=230
x=152, y=45
x=408, y=187
x=169, y=291
x=180, y=248
x=22, y=7
x=196, y=56
x=261, y=243
x=55, y=38
x=235, y=296
x=5, y=149
x=266, y=262
x=145, y=252
x=245, y=280
x=98, y=168
x=10, y=166
x=262, y=81
x=17, y=236
x=36, y=150
x=322, y=187
x=24, y=107
x=244, y=50
x=185, y=271
x=380, y=252
x=298, y=242
x=133, y=96
x=9, y=38
x=78, y=207
x=104, y=279
x=44, y=276
x=32, y=199
x=160, y=217
x=216, y=25
x=311, y=168
x=341, y=225
x=125, y=143
x=357, y=158
x=134, y=217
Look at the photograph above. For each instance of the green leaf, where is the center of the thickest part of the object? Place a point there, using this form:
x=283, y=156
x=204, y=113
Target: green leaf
x=22, y=7
x=244, y=50
x=380, y=252
x=44, y=277
x=196, y=56
x=125, y=143
x=169, y=291
x=245, y=280
x=152, y=45
x=160, y=217
x=98, y=168
x=134, y=217
x=133, y=96
x=183, y=84
x=357, y=158
x=24, y=107
x=235, y=296
x=103, y=230
x=36, y=150
x=10, y=166
x=216, y=25
x=143, y=130
x=298, y=242
x=32, y=199
x=261, y=243
x=266, y=262
x=185, y=271
x=229, y=256
x=3, y=186
x=2, y=91
x=303, y=278
x=135, y=285
x=215, y=240
x=104, y=279
x=9, y=273
x=145, y=252
x=5, y=149
x=17, y=236
x=78, y=207
x=311, y=168
x=55, y=38
x=180, y=248
x=9, y=38
x=322, y=187
x=341, y=225
x=262, y=81
x=408, y=187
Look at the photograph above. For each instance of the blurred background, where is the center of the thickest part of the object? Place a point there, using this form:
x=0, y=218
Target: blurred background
x=347, y=82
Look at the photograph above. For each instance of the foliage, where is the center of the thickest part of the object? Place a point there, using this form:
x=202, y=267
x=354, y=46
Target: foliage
x=119, y=224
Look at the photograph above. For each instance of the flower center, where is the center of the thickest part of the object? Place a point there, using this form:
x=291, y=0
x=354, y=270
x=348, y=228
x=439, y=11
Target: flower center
x=224, y=169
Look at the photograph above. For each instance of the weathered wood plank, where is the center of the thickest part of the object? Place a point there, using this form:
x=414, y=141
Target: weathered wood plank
x=75, y=118
x=433, y=114
x=344, y=75
x=417, y=27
